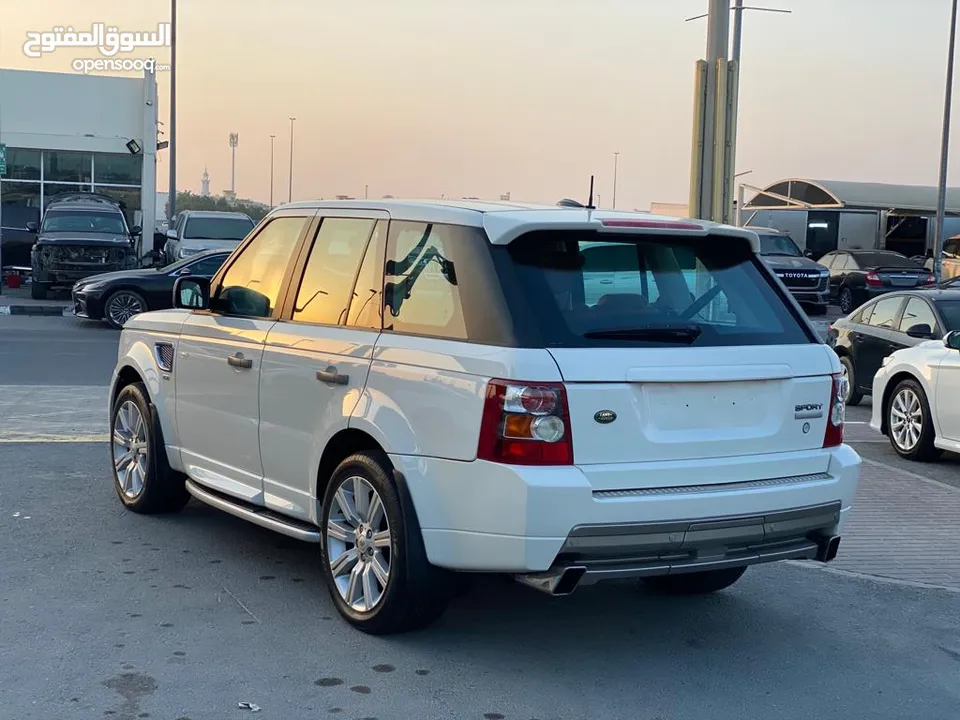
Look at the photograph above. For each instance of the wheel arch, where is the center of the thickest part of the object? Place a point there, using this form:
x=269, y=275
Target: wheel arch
x=343, y=444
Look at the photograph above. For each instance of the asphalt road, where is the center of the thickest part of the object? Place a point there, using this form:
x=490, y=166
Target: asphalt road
x=110, y=614
x=55, y=351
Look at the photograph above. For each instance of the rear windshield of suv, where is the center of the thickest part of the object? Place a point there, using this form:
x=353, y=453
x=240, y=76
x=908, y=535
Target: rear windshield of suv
x=217, y=228
x=588, y=289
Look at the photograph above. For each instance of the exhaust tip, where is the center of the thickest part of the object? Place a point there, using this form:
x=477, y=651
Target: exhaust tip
x=554, y=582
x=569, y=580
x=827, y=548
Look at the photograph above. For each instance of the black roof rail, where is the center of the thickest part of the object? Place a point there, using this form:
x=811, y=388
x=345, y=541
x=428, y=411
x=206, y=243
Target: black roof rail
x=82, y=196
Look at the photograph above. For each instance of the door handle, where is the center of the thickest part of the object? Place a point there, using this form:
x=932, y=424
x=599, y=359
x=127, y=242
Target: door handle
x=330, y=375
x=239, y=361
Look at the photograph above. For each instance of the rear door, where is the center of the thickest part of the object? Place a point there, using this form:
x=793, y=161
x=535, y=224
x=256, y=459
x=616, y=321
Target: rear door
x=705, y=359
x=317, y=357
x=880, y=338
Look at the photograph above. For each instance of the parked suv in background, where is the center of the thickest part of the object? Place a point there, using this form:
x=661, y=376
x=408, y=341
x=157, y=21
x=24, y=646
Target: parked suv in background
x=81, y=234
x=423, y=388
x=806, y=280
x=196, y=231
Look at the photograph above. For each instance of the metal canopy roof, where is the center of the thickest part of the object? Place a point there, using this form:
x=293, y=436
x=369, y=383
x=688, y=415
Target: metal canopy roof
x=801, y=193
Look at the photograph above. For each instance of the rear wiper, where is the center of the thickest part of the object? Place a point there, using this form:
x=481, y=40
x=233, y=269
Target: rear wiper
x=664, y=333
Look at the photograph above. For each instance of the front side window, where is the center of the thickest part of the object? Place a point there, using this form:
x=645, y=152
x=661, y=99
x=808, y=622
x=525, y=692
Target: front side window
x=201, y=228
x=649, y=291
x=207, y=267
x=331, y=270
x=885, y=313
x=251, y=286
x=84, y=221
x=421, y=291
x=917, y=312
x=950, y=310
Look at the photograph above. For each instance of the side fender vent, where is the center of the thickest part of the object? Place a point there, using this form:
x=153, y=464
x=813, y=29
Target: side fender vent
x=163, y=353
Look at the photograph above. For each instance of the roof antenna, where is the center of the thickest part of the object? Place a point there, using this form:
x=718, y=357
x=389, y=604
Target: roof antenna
x=590, y=205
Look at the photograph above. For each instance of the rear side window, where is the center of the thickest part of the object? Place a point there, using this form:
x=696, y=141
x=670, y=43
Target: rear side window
x=885, y=312
x=587, y=289
x=421, y=290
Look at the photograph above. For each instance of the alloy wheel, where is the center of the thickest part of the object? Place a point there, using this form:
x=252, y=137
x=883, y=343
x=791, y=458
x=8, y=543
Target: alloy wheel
x=906, y=419
x=359, y=544
x=130, y=449
x=123, y=306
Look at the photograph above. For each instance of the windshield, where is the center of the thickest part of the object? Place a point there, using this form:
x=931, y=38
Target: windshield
x=883, y=259
x=214, y=228
x=84, y=221
x=779, y=245
x=649, y=291
x=950, y=310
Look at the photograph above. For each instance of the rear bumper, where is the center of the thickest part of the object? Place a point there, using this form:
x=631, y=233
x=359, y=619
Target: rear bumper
x=484, y=517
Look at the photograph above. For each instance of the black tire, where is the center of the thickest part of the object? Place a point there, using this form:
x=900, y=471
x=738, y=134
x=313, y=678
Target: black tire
x=416, y=593
x=698, y=583
x=163, y=489
x=127, y=296
x=38, y=291
x=923, y=450
x=846, y=301
x=852, y=396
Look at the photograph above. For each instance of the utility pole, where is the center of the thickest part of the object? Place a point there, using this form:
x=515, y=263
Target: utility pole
x=172, y=188
x=290, y=186
x=272, y=137
x=366, y=192
x=938, y=232
x=616, y=157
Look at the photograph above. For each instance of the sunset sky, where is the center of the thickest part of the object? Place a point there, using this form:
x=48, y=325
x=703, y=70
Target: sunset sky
x=480, y=97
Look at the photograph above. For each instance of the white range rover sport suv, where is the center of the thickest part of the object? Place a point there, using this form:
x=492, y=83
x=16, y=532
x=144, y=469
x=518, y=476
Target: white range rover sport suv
x=427, y=389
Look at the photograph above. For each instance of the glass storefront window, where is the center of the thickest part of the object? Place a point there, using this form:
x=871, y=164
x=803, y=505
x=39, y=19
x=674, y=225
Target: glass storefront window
x=22, y=164
x=130, y=197
x=62, y=166
x=117, y=169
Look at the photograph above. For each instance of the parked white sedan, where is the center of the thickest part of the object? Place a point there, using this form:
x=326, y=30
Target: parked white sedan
x=917, y=399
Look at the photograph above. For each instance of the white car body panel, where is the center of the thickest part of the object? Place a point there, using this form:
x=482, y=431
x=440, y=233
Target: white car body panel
x=937, y=369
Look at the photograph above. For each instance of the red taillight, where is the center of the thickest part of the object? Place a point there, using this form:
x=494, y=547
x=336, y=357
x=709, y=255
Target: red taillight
x=833, y=435
x=931, y=280
x=655, y=224
x=525, y=424
x=874, y=279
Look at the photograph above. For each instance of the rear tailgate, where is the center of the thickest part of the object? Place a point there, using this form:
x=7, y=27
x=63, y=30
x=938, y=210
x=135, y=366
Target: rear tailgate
x=676, y=404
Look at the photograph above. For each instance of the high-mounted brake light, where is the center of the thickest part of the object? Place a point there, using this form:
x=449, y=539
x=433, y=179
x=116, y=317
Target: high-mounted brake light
x=836, y=410
x=525, y=424
x=654, y=224
x=874, y=279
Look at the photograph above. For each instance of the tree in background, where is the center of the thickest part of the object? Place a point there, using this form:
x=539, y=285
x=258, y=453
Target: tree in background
x=191, y=201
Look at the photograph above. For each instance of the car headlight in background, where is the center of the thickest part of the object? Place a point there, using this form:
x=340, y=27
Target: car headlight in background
x=187, y=252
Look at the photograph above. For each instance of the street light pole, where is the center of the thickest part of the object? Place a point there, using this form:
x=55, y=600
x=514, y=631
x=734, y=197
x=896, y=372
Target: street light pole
x=290, y=186
x=616, y=158
x=944, y=150
x=272, y=137
x=737, y=29
x=172, y=186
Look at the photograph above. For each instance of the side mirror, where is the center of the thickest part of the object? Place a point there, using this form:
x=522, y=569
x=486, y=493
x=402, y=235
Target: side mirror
x=171, y=234
x=952, y=340
x=808, y=254
x=921, y=330
x=136, y=230
x=32, y=226
x=191, y=293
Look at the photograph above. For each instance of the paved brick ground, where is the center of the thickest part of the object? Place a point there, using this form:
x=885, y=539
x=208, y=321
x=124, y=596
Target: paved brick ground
x=904, y=527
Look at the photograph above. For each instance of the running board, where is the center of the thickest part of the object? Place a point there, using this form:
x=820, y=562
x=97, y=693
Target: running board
x=257, y=515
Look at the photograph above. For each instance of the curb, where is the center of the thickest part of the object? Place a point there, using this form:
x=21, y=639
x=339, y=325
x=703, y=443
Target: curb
x=40, y=310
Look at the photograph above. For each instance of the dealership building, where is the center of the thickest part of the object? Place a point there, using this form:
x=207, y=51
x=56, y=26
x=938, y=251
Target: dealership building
x=75, y=132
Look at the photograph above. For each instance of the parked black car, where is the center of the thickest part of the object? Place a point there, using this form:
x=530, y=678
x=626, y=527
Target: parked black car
x=117, y=296
x=806, y=279
x=81, y=234
x=859, y=275
x=895, y=321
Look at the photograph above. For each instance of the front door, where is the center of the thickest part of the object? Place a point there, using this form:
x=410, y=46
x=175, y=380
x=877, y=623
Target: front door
x=219, y=361
x=947, y=395
x=318, y=356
